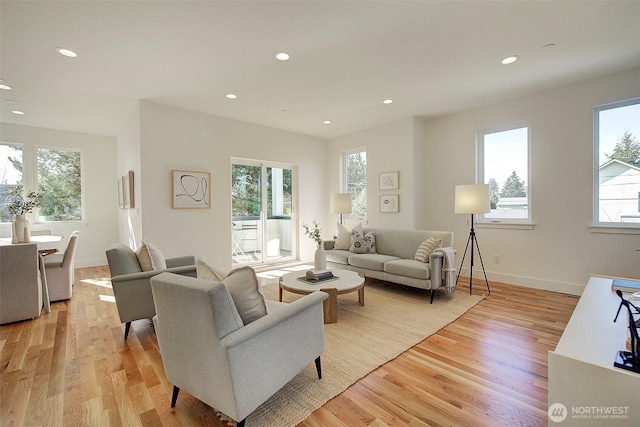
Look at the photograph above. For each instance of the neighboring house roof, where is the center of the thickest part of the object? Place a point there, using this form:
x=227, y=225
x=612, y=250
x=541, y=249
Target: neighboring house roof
x=619, y=162
x=615, y=168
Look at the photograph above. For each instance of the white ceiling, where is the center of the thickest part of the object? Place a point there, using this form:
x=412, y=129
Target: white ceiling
x=431, y=57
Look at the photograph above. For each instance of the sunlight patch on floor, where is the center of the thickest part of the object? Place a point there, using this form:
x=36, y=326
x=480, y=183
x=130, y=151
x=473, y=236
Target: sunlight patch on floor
x=108, y=298
x=279, y=272
x=105, y=283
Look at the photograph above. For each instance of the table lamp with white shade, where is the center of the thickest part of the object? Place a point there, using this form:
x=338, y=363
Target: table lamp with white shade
x=340, y=204
x=472, y=199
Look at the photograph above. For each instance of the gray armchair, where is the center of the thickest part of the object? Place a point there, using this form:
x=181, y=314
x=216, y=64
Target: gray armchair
x=132, y=286
x=209, y=353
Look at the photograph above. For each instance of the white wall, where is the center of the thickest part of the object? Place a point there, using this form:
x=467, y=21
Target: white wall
x=100, y=226
x=389, y=148
x=172, y=138
x=130, y=220
x=561, y=250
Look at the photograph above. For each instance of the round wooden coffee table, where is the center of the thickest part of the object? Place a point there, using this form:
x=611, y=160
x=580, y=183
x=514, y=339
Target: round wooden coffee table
x=345, y=282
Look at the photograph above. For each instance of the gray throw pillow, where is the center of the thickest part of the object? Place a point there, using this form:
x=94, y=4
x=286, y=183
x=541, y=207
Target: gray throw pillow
x=242, y=283
x=205, y=271
x=150, y=257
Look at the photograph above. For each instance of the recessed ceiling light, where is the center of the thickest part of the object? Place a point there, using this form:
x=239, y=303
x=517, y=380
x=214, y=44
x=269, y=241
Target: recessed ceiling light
x=327, y=122
x=4, y=85
x=231, y=95
x=17, y=112
x=388, y=101
x=282, y=56
x=510, y=59
x=66, y=52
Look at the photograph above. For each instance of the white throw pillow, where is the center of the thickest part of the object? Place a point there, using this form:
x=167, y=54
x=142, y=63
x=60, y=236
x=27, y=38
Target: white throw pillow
x=205, y=271
x=426, y=248
x=343, y=241
x=150, y=257
x=242, y=283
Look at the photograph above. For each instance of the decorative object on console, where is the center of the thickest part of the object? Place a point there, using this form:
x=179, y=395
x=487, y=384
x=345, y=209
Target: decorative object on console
x=340, y=203
x=472, y=199
x=389, y=181
x=389, y=203
x=625, y=285
x=191, y=190
x=19, y=206
x=629, y=360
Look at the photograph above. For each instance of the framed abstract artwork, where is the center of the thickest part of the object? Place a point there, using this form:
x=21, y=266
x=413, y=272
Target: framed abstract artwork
x=190, y=189
x=389, y=181
x=389, y=203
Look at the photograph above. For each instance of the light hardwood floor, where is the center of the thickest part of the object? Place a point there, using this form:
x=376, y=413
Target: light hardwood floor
x=72, y=367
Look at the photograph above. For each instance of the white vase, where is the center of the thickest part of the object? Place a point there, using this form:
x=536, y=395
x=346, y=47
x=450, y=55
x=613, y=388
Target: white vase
x=20, y=230
x=320, y=259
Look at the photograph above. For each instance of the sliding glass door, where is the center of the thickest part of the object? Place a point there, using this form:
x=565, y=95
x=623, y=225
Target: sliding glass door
x=262, y=217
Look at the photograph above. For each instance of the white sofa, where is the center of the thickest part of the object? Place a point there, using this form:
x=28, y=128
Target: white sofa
x=394, y=258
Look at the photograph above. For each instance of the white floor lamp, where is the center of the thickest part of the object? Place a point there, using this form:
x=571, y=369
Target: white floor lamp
x=472, y=199
x=340, y=203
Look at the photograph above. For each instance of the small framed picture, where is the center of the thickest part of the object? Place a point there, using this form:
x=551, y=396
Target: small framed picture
x=191, y=190
x=389, y=181
x=389, y=203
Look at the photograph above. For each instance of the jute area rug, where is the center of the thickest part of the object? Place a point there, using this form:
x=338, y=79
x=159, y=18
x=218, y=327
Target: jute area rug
x=393, y=319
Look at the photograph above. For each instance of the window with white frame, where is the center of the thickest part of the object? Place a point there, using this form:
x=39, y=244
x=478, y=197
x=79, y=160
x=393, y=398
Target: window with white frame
x=354, y=175
x=503, y=163
x=11, y=165
x=617, y=164
x=59, y=176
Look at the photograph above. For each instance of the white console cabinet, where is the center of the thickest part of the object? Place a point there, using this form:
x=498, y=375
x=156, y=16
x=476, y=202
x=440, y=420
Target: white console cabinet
x=585, y=389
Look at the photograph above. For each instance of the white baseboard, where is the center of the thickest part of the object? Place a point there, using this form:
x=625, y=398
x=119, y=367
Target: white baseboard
x=531, y=282
x=90, y=263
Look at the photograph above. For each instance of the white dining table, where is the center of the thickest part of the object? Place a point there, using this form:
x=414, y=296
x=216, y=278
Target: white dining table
x=44, y=241
x=47, y=244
